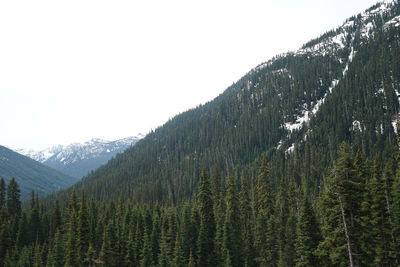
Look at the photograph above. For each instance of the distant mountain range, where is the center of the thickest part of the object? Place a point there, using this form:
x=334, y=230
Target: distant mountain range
x=31, y=175
x=78, y=159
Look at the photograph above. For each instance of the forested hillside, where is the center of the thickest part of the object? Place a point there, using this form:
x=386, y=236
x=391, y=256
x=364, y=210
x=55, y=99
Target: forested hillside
x=31, y=175
x=294, y=109
x=296, y=164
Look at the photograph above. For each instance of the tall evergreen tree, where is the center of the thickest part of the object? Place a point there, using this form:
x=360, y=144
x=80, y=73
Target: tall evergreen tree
x=146, y=256
x=178, y=260
x=380, y=226
x=396, y=211
x=58, y=253
x=308, y=235
x=22, y=234
x=206, y=256
x=37, y=260
x=246, y=213
x=2, y=193
x=71, y=246
x=13, y=198
x=5, y=242
x=340, y=201
x=219, y=209
x=83, y=230
x=232, y=239
x=55, y=219
x=108, y=253
x=34, y=220
x=265, y=240
x=191, y=261
x=165, y=257
x=282, y=215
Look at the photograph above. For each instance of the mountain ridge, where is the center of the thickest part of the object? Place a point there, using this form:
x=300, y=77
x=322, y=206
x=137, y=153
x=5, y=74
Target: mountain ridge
x=31, y=175
x=78, y=159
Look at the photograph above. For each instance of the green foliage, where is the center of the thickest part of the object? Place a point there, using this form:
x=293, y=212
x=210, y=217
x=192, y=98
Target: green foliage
x=13, y=198
x=58, y=252
x=71, y=247
x=83, y=230
x=2, y=193
x=31, y=175
x=232, y=238
x=205, y=241
x=308, y=236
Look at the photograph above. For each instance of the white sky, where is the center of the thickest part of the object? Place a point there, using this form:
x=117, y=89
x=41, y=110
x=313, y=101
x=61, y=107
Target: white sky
x=74, y=70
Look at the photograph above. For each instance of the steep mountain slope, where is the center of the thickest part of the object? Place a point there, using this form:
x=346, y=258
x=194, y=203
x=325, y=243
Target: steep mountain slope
x=295, y=109
x=78, y=159
x=30, y=174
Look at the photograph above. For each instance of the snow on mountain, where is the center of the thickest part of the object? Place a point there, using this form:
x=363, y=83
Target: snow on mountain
x=339, y=41
x=78, y=159
x=41, y=155
x=340, y=44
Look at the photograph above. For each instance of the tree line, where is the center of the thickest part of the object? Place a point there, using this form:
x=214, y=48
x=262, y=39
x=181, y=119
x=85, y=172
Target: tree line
x=353, y=221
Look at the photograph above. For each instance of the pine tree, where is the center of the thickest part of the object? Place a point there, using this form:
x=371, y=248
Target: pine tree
x=232, y=239
x=37, y=260
x=216, y=183
x=130, y=251
x=71, y=247
x=164, y=258
x=265, y=240
x=155, y=237
x=341, y=210
x=194, y=230
x=191, y=261
x=308, y=235
x=13, y=199
x=282, y=214
x=72, y=205
x=396, y=211
x=83, y=230
x=138, y=243
x=22, y=233
x=146, y=256
x=2, y=193
x=108, y=253
x=246, y=213
x=186, y=231
x=367, y=241
x=57, y=255
x=34, y=220
x=219, y=210
x=90, y=257
x=5, y=241
x=178, y=260
x=288, y=254
x=55, y=220
x=381, y=229
x=206, y=256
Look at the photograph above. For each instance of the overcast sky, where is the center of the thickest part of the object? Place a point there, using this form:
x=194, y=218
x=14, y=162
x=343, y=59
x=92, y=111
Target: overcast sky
x=74, y=70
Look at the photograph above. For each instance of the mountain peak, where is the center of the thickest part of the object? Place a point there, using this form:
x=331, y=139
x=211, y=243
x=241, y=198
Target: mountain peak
x=78, y=159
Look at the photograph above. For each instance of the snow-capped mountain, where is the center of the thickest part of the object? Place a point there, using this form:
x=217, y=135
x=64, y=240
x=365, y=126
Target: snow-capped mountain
x=78, y=159
x=340, y=46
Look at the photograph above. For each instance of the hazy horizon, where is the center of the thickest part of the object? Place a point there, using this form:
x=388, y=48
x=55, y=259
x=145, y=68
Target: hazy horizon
x=78, y=70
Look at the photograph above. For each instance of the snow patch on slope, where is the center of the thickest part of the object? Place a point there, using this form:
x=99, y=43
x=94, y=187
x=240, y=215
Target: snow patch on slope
x=394, y=22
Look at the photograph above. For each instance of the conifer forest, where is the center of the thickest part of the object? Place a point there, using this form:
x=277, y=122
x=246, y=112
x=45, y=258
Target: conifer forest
x=353, y=221
x=295, y=164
